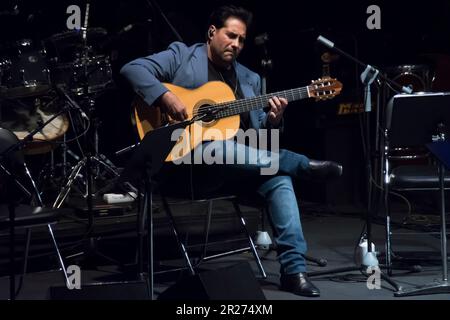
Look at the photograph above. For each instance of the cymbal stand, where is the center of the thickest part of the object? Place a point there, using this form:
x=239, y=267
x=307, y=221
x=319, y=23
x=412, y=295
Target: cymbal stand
x=90, y=157
x=91, y=160
x=86, y=162
x=90, y=102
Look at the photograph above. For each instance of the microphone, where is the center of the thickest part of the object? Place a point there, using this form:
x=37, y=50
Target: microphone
x=132, y=25
x=261, y=39
x=126, y=29
x=325, y=42
x=121, y=32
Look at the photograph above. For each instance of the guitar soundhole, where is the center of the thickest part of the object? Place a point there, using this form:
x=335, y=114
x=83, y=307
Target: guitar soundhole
x=206, y=113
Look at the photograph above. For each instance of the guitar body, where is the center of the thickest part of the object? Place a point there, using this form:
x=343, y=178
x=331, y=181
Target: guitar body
x=219, y=121
x=150, y=118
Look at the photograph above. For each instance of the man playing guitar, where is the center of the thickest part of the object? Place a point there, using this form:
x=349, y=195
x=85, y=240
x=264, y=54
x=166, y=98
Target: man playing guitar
x=193, y=68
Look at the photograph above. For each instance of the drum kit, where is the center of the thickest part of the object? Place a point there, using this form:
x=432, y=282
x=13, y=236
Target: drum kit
x=49, y=86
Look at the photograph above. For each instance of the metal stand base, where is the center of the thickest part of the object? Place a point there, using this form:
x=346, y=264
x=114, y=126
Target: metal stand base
x=362, y=269
x=438, y=287
x=74, y=174
x=443, y=285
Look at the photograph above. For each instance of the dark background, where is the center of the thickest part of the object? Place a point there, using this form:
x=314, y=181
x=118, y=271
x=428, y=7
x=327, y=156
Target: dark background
x=411, y=33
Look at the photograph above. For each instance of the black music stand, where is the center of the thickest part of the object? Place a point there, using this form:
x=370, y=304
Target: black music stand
x=145, y=163
x=423, y=119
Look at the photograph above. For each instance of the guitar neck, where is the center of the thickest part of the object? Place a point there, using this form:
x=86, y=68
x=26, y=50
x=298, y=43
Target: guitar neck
x=254, y=103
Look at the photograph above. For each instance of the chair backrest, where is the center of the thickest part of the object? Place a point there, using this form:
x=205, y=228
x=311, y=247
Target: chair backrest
x=412, y=119
x=7, y=140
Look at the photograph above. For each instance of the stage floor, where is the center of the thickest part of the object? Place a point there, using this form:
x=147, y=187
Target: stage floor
x=330, y=235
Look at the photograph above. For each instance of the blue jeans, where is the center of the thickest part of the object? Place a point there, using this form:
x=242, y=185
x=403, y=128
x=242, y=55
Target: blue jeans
x=277, y=190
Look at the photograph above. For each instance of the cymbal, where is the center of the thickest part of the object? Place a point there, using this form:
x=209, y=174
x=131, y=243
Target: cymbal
x=75, y=37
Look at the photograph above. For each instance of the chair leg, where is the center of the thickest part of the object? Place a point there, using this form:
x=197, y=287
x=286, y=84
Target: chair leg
x=50, y=229
x=25, y=261
x=58, y=253
x=250, y=240
x=207, y=229
x=176, y=233
x=26, y=252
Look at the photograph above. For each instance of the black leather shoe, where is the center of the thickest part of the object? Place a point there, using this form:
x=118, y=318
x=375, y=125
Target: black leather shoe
x=299, y=284
x=324, y=169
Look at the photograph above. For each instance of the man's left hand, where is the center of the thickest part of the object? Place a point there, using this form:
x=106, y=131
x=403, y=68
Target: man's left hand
x=277, y=106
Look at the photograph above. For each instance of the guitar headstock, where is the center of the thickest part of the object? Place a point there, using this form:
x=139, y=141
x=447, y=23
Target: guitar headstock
x=324, y=88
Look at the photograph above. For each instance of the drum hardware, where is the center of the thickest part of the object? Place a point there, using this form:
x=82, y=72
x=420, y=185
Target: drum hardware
x=22, y=116
x=418, y=77
x=25, y=76
x=29, y=70
x=28, y=138
x=90, y=76
x=11, y=155
x=38, y=125
x=98, y=75
x=24, y=72
x=91, y=161
x=73, y=38
x=51, y=177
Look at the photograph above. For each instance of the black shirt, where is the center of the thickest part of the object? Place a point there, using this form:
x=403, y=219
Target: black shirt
x=230, y=78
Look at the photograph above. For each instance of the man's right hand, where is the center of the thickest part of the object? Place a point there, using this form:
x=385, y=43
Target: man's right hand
x=173, y=106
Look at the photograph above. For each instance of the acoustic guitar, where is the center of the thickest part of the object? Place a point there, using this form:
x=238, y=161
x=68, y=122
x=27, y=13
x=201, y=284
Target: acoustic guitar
x=217, y=110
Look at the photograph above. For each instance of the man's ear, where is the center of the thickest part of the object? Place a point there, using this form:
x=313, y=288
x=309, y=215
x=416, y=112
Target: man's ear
x=211, y=31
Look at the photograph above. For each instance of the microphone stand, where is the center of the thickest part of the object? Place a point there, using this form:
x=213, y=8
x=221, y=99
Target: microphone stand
x=367, y=78
x=266, y=62
x=263, y=239
x=369, y=261
x=154, y=5
x=380, y=75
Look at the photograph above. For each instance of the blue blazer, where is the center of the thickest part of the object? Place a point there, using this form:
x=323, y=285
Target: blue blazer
x=185, y=67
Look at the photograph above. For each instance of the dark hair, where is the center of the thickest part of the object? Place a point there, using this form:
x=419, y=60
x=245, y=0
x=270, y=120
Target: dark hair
x=221, y=14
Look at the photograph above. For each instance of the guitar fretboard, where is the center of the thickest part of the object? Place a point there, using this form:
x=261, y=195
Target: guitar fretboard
x=243, y=105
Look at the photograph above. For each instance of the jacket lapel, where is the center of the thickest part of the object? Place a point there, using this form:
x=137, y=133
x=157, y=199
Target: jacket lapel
x=200, y=66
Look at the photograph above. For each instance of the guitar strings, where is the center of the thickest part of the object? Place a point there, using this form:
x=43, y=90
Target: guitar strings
x=239, y=106
x=253, y=103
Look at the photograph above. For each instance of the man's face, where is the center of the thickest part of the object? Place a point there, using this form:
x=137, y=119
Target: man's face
x=227, y=42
